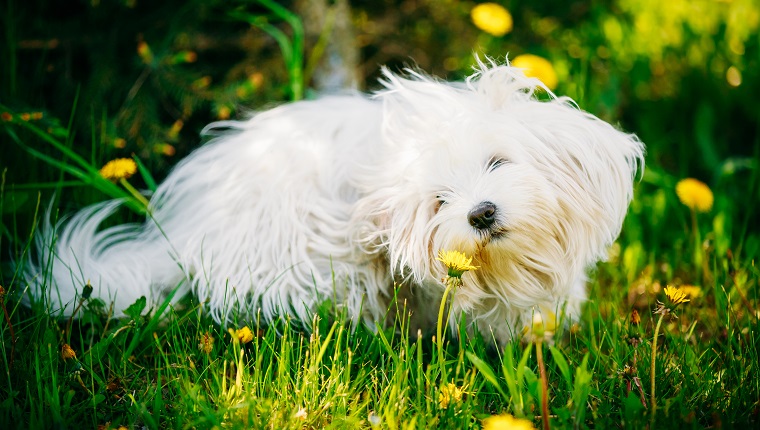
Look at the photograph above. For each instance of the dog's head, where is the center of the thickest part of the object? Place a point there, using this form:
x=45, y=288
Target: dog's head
x=534, y=190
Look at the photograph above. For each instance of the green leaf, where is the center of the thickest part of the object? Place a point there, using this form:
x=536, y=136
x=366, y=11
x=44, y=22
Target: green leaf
x=633, y=410
x=13, y=200
x=97, y=399
x=581, y=389
x=135, y=309
x=564, y=368
x=154, y=321
x=487, y=373
x=146, y=175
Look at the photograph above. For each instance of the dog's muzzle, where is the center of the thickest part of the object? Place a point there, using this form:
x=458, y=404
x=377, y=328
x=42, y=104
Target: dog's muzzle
x=482, y=216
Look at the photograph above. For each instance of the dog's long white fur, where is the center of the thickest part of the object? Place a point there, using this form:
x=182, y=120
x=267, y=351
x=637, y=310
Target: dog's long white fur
x=346, y=196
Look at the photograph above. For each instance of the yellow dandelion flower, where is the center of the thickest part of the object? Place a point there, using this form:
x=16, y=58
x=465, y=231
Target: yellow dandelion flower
x=450, y=394
x=492, y=18
x=537, y=67
x=696, y=195
x=506, y=422
x=206, y=344
x=6, y=116
x=692, y=291
x=120, y=168
x=675, y=295
x=244, y=335
x=457, y=262
x=67, y=352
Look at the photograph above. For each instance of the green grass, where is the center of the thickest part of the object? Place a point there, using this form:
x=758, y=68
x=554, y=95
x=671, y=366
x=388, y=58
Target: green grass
x=149, y=372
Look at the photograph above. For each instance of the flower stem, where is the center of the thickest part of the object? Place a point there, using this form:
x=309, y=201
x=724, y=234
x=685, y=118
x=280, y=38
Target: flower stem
x=652, y=370
x=450, y=283
x=544, y=385
x=136, y=194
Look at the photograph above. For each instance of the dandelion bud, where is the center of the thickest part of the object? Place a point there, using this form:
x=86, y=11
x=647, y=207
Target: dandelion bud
x=67, y=352
x=87, y=291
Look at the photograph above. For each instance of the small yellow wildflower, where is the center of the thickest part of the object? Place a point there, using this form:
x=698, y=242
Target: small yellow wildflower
x=492, y=18
x=457, y=262
x=694, y=194
x=692, y=291
x=244, y=335
x=537, y=67
x=206, y=344
x=6, y=116
x=120, y=168
x=675, y=295
x=449, y=394
x=506, y=422
x=67, y=352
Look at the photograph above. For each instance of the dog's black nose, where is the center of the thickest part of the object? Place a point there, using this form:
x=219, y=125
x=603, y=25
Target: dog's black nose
x=482, y=216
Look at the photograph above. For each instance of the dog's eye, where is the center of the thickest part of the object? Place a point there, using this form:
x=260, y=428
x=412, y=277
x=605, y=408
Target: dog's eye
x=441, y=200
x=496, y=162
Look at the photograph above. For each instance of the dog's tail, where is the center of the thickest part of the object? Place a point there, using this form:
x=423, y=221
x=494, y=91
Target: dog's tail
x=121, y=263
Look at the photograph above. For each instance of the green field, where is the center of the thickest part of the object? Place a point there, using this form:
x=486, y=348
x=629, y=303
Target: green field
x=84, y=83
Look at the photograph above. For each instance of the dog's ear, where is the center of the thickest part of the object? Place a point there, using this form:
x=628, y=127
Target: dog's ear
x=591, y=164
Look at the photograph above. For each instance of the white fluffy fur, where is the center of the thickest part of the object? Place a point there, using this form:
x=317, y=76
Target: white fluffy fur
x=340, y=198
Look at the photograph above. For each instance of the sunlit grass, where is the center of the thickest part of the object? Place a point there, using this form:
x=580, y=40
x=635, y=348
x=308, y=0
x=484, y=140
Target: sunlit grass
x=624, y=364
x=183, y=371
x=186, y=372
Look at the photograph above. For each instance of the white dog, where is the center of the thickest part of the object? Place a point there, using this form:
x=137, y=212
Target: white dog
x=347, y=198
